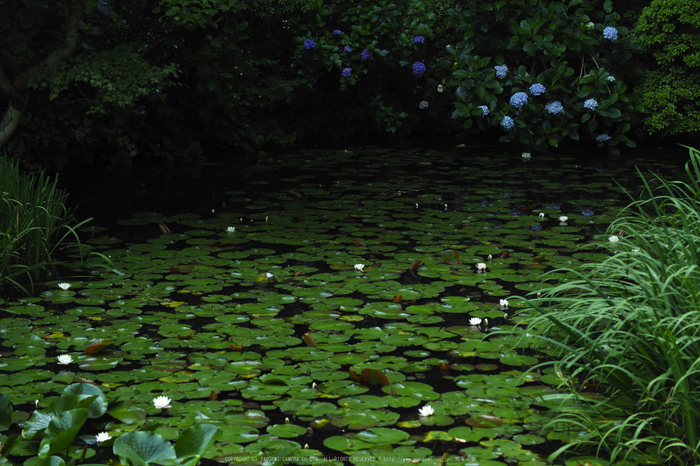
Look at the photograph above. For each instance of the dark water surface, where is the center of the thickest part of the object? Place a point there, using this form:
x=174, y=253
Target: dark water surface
x=237, y=292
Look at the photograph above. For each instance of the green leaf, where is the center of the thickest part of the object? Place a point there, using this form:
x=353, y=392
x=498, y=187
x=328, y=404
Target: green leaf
x=143, y=448
x=62, y=431
x=125, y=413
x=98, y=404
x=48, y=461
x=195, y=441
x=5, y=412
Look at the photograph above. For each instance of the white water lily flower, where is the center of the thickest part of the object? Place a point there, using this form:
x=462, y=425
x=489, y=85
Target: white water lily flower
x=541, y=214
x=231, y=229
x=474, y=321
x=426, y=410
x=563, y=218
x=526, y=155
x=359, y=267
x=102, y=437
x=65, y=359
x=504, y=304
x=614, y=239
x=481, y=266
x=161, y=402
x=269, y=275
x=64, y=286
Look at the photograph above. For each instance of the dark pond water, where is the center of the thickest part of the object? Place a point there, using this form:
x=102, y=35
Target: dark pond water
x=322, y=307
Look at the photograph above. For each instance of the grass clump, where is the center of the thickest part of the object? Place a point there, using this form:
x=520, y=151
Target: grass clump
x=631, y=324
x=34, y=222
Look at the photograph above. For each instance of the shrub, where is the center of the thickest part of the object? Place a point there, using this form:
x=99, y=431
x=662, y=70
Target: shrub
x=631, y=323
x=566, y=62
x=371, y=58
x=670, y=88
x=34, y=222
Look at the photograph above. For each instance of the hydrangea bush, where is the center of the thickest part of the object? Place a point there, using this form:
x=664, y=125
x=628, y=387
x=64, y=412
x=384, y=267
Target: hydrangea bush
x=376, y=54
x=543, y=72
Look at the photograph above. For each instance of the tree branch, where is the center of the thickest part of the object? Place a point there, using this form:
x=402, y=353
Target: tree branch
x=58, y=55
x=15, y=92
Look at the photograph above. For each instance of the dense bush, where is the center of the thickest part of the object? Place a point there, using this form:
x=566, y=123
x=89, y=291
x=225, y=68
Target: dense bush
x=670, y=88
x=176, y=78
x=369, y=64
x=543, y=71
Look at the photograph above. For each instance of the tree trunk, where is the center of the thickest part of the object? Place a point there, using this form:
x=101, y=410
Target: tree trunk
x=16, y=92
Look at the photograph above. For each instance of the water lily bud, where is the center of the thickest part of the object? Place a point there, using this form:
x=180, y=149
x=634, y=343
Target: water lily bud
x=286, y=420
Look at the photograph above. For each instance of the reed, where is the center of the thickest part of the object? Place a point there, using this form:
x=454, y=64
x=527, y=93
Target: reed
x=632, y=324
x=34, y=223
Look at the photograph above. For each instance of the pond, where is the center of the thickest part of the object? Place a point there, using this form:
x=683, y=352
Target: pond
x=324, y=307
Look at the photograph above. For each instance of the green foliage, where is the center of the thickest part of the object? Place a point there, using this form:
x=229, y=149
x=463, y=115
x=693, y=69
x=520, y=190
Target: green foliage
x=560, y=45
x=58, y=427
x=118, y=78
x=631, y=324
x=34, y=222
x=361, y=61
x=670, y=88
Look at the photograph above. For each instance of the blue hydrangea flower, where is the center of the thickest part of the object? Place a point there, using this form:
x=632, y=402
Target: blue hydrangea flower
x=348, y=48
x=602, y=138
x=555, y=108
x=610, y=79
x=610, y=33
x=347, y=71
x=507, y=123
x=423, y=105
x=590, y=104
x=588, y=212
x=518, y=99
x=336, y=32
x=537, y=89
x=501, y=71
x=418, y=68
x=419, y=39
x=309, y=44
x=365, y=55
x=536, y=228
x=103, y=7
x=485, y=109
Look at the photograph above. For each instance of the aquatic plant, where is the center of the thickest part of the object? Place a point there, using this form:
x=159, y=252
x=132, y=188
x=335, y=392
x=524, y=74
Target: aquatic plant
x=34, y=222
x=629, y=325
x=57, y=426
x=348, y=356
